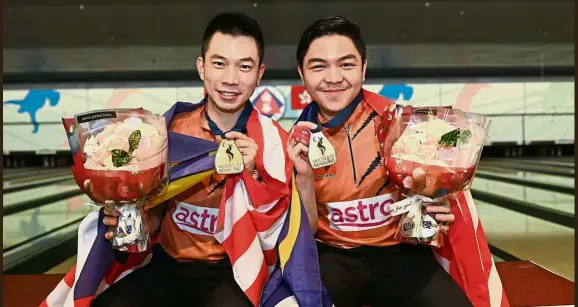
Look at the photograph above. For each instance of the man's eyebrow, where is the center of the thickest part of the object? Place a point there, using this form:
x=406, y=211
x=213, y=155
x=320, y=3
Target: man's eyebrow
x=312, y=60
x=218, y=56
x=347, y=57
x=247, y=59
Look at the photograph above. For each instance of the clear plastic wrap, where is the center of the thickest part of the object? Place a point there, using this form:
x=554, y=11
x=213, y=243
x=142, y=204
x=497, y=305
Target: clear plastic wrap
x=430, y=154
x=121, y=161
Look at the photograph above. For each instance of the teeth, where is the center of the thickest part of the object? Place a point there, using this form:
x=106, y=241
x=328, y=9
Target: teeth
x=228, y=94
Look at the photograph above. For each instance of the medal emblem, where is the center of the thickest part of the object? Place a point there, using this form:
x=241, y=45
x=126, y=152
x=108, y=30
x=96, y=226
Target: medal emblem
x=321, y=151
x=228, y=159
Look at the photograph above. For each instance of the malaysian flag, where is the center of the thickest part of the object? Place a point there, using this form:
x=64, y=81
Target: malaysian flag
x=263, y=227
x=465, y=254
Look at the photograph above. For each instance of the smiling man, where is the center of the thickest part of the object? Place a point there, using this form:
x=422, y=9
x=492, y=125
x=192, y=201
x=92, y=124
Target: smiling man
x=191, y=266
x=361, y=262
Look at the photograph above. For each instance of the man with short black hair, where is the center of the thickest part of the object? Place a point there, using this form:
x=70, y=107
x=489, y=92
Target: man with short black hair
x=190, y=265
x=361, y=262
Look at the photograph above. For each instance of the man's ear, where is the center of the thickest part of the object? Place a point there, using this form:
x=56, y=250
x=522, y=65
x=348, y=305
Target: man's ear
x=300, y=73
x=261, y=72
x=364, y=68
x=201, y=68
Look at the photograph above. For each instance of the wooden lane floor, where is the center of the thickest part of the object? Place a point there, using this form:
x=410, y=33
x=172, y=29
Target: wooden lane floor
x=541, y=197
x=31, y=223
x=529, y=238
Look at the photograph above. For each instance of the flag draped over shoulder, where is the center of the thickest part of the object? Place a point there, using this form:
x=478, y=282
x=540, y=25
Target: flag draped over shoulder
x=465, y=254
x=261, y=225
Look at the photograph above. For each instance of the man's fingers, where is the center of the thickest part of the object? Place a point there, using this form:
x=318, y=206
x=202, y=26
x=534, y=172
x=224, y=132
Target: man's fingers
x=301, y=130
x=296, y=139
x=301, y=140
x=445, y=217
x=243, y=143
x=300, y=134
x=234, y=135
x=111, y=212
x=444, y=229
x=301, y=149
x=109, y=235
x=110, y=221
x=437, y=209
x=308, y=125
x=250, y=152
x=443, y=202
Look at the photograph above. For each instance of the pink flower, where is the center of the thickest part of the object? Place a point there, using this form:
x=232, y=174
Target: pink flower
x=408, y=182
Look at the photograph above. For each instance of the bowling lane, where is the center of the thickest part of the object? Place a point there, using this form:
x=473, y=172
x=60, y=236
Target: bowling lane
x=27, y=171
x=29, y=194
x=551, y=179
x=10, y=171
x=14, y=179
x=528, y=238
x=31, y=223
x=537, y=160
x=529, y=167
x=540, y=197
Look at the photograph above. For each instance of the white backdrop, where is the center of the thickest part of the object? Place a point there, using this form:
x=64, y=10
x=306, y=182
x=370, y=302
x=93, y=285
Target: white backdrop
x=523, y=112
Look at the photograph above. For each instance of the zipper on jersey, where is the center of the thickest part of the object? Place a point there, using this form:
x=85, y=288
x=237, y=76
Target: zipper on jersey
x=351, y=153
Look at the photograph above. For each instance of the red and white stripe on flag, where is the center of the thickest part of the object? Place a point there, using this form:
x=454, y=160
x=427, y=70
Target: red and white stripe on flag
x=465, y=255
x=253, y=215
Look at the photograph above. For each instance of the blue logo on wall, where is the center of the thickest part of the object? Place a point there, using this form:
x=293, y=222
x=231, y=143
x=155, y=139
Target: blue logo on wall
x=34, y=101
x=394, y=91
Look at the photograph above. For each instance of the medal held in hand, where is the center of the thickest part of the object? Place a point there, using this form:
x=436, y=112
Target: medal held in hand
x=321, y=151
x=228, y=159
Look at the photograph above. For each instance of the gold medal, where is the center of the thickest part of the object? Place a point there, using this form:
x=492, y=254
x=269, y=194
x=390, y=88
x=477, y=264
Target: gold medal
x=321, y=151
x=228, y=159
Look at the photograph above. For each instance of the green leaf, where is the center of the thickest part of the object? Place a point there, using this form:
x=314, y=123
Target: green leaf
x=450, y=139
x=465, y=136
x=120, y=157
x=133, y=140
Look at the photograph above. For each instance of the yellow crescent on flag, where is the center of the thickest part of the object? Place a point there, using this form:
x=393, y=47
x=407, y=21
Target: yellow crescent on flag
x=178, y=186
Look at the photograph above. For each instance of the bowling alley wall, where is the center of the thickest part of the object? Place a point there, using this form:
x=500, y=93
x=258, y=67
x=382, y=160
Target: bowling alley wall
x=523, y=113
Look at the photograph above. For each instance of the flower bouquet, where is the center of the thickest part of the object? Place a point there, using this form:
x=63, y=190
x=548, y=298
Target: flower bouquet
x=121, y=161
x=429, y=154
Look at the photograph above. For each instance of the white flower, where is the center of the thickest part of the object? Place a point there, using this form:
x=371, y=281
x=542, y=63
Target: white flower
x=91, y=146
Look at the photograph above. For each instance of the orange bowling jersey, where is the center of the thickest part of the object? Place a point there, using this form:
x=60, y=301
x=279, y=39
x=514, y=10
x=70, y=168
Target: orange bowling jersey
x=353, y=195
x=189, y=223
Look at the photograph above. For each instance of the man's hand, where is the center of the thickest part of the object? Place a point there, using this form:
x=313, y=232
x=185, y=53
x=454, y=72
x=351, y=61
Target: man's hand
x=248, y=148
x=298, y=148
x=153, y=216
x=110, y=220
x=443, y=215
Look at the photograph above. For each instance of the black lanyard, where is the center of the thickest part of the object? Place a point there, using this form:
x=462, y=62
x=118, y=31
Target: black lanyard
x=339, y=119
x=240, y=126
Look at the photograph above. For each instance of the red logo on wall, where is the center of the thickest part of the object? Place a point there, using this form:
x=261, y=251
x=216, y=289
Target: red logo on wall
x=299, y=97
x=269, y=101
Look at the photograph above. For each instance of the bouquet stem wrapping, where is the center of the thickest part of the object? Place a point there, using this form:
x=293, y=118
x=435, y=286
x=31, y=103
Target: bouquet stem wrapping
x=131, y=233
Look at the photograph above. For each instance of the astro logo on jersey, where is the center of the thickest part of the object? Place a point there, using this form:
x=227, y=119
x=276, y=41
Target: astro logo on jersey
x=361, y=214
x=269, y=101
x=197, y=220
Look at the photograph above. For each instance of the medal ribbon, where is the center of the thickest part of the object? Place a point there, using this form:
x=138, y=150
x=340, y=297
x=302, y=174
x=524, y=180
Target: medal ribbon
x=339, y=119
x=240, y=125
